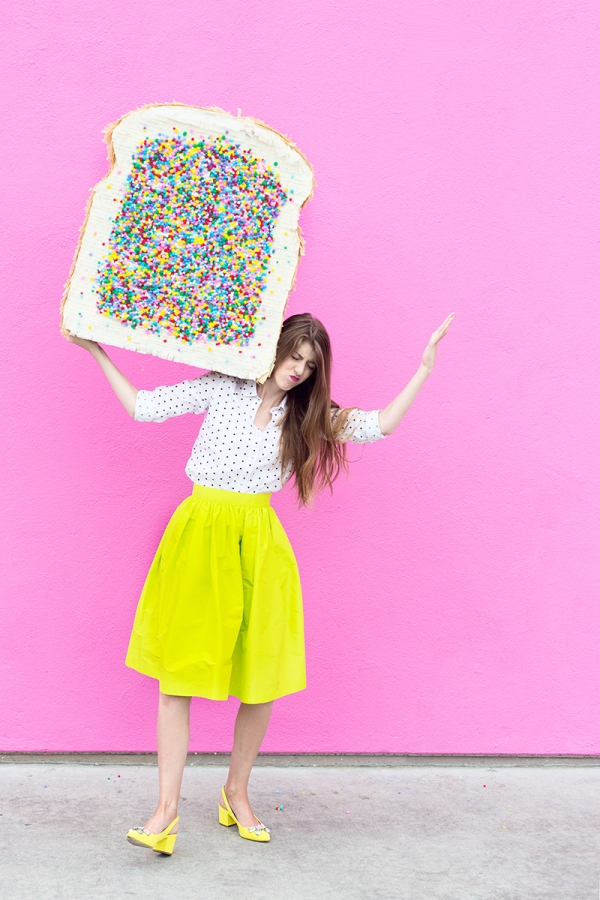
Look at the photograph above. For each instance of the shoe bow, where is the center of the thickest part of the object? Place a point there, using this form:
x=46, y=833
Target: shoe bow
x=259, y=828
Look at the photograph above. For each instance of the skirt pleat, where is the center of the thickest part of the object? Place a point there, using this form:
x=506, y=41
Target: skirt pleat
x=221, y=609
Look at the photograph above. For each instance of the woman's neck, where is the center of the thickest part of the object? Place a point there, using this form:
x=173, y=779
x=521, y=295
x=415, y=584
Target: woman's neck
x=269, y=393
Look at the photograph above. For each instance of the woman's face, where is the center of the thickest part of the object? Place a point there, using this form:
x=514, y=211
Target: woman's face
x=296, y=368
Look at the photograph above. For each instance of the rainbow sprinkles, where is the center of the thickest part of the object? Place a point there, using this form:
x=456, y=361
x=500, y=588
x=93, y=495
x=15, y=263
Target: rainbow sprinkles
x=189, y=249
x=191, y=242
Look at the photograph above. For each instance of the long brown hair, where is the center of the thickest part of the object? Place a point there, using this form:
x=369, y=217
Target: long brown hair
x=311, y=443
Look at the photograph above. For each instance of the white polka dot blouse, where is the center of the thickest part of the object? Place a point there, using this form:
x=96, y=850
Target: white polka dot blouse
x=231, y=453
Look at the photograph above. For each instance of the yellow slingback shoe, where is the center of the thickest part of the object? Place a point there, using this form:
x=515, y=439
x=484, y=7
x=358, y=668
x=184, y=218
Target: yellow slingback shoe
x=254, y=833
x=162, y=843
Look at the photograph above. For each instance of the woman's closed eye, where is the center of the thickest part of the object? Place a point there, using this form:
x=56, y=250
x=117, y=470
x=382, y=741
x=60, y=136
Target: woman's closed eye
x=310, y=364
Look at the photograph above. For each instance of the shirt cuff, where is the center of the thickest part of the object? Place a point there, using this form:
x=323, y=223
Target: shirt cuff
x=372, y=428
x=143, y=407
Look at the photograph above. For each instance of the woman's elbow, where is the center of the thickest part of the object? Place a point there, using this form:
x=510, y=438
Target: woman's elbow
x=385, y=426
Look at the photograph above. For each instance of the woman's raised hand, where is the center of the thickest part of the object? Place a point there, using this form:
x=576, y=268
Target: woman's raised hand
x=81, y=342
x=123, y=388
x=395, y=411
x=431, y=348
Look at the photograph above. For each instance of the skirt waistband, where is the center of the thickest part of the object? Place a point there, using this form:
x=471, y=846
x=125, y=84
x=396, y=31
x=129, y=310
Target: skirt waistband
x=229, y=498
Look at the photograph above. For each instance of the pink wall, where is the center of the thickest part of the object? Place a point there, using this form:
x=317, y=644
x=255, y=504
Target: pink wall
x=451, y=584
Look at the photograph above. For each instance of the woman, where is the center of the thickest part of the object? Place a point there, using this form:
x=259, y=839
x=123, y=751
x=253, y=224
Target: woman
x=221, y=610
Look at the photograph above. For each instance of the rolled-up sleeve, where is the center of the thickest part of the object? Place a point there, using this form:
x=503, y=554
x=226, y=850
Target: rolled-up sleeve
x=175, y=400
x=362, y=426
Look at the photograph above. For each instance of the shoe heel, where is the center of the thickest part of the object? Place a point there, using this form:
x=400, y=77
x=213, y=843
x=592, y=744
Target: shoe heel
x=224, y=817
x=167, y=845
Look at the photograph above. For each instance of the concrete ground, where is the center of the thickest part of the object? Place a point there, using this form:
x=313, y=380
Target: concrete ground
x=388, y=833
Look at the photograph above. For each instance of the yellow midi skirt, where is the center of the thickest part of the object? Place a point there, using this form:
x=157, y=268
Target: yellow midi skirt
x=221, y=610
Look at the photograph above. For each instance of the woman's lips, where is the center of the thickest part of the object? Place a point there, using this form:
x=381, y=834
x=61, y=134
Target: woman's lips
x=294, y=378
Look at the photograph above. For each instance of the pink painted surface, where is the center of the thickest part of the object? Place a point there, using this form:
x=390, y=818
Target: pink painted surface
x=452, y=583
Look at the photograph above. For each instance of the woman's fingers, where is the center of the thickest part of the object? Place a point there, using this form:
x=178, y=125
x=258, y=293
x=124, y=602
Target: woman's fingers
x=442, y=330
x=81, y=342
x=446, y=324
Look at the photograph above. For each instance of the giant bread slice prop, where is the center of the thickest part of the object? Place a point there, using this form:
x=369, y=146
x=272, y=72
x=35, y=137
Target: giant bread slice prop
x=190, y=245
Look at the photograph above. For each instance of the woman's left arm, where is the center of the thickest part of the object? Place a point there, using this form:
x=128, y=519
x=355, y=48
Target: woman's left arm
x=390, y=417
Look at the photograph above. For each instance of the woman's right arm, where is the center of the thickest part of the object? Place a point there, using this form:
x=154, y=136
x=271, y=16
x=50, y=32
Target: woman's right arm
x=123, y=388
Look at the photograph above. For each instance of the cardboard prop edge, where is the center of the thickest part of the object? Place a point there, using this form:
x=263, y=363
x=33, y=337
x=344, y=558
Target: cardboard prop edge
x=108, y=132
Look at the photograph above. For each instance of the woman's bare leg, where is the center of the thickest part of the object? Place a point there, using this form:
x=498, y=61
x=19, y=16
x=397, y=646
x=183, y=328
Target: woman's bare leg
x=250, y=728
x=173, y=733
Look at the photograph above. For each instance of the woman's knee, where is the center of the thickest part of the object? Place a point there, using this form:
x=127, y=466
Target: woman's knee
x=259, y=707
x=173, y=701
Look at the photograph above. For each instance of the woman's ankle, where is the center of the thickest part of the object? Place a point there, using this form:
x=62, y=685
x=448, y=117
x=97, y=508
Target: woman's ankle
x=236, y=792
x=166, y=811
